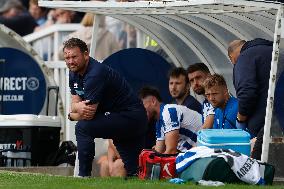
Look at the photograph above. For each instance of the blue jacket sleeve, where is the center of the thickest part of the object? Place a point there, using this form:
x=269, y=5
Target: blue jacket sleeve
x=245, y=83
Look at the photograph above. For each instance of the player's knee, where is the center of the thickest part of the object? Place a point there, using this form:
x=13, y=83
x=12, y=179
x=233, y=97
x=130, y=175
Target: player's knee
x=118, y=169
x=118, y=164
x=103, y=166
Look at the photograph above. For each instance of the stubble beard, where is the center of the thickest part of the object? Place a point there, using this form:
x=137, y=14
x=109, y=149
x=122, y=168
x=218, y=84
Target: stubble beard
x=200, y=91
x=180, y=95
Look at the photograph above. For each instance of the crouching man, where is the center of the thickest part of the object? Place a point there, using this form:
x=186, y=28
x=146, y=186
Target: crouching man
x=176, y=125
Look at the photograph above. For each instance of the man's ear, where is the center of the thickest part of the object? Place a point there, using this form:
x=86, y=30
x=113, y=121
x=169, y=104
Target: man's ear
x=154, y=100
x=226, y=91
x=86, y=54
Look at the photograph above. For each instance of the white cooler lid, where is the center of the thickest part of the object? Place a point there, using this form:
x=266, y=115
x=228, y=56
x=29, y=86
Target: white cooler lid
x=25, y=120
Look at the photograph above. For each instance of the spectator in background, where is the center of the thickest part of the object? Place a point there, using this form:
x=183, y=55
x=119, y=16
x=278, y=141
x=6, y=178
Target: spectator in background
x=38, y=13
x=252, y=62
x=197, y=73
x=131, y=37
x=122, y=38
x=114, y=25
x=226, y=106
x=106, y=41
x=180, y=90
x=64, y=16
x=127, y=37
x=176, y=125
x=59, y=16
x=14, y=16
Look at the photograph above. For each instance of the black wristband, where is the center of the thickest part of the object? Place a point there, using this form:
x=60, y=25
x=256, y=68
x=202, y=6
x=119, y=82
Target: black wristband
x=239, y=120
x=70, y=118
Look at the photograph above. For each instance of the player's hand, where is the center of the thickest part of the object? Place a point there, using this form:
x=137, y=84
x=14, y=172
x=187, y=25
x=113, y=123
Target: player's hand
x=86, y=110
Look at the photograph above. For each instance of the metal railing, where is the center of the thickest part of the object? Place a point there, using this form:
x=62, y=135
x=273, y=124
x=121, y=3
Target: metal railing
x=47, y=41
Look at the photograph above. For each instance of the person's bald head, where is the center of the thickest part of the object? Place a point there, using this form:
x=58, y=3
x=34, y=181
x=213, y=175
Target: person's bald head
x=234, y=49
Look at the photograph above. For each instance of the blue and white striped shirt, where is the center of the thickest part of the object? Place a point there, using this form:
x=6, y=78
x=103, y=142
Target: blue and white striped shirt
x=173, y=117
x=207, y=109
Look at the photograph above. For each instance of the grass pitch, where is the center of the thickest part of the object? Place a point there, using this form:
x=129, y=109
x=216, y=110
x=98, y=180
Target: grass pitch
x=15, y=180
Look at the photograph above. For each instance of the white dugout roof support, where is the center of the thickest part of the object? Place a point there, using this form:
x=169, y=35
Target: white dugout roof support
x=199, y=31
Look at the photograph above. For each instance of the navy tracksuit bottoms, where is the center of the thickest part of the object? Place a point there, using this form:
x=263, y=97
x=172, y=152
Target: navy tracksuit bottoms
x=127, y=129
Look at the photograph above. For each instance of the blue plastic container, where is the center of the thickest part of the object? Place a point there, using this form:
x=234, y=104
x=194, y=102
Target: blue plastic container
x=234, y=139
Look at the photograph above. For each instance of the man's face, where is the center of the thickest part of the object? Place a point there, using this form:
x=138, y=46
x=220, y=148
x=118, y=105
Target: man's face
x=149, y=103
x=217, y=96
x=178, y=87
x=76, y=60
x=63, y=16
x=12, y=12
x=35, y=11
x=196, y=80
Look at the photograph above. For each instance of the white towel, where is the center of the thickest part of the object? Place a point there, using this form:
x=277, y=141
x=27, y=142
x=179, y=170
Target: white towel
x=245, y=168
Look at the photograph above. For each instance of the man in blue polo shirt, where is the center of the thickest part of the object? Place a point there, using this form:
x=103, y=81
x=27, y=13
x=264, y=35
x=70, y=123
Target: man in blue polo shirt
x=104, y=106
x=226, y=106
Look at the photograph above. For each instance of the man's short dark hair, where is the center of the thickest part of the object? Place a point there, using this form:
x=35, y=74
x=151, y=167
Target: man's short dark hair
x=176, y=72
x=75, y=42
x=198, y=67
x=149, y=91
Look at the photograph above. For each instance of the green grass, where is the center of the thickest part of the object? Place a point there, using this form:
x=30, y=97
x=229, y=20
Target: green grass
x=15, y=180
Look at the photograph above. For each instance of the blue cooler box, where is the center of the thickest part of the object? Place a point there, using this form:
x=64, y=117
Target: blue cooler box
x=234, y=139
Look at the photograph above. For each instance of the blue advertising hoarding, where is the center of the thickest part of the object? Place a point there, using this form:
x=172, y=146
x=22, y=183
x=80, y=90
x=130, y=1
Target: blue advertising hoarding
x=22, y=83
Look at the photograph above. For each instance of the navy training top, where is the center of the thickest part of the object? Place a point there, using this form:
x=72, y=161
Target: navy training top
x=101, y=84
x=192, y=103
